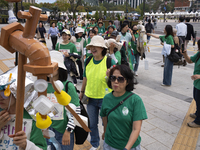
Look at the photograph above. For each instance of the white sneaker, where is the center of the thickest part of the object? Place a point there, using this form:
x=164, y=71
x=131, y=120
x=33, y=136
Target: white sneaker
x=136, y=74
x=94, y=148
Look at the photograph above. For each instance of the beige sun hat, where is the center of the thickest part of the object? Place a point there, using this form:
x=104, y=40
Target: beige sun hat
x=57, y=56
x=66, y=31
x=79, y=30
x=97, y=41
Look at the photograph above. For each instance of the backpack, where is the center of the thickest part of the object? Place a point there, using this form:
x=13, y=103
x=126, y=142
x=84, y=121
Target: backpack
x=80, y=134
x=148, y=28
x=108, y=61
x=175, y=56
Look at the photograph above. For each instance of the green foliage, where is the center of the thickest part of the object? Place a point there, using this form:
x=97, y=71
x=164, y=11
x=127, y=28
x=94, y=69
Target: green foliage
x=138, y=10
x=105, y=12
x=96, y=15
x=156, y=5
x=63, y=5
x=100, y=14
x=3, y=4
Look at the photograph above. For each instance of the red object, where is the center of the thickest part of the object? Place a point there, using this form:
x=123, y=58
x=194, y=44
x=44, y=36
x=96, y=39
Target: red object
x=114, y=66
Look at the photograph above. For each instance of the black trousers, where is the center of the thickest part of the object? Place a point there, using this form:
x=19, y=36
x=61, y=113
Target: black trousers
x=79, y=63
x=54, y=41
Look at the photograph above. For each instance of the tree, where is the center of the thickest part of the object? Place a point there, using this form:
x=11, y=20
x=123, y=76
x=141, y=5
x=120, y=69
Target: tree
x=63, y=5
x=3, y=4
x=105, y=12
x=81, y=9
x=96, y=15
x=74, y=5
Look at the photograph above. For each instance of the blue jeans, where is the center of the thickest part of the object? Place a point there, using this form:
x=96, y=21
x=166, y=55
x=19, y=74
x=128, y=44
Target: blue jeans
x=168, y=69
x=107, y=147
x=148, y=37
x=196, y=96
x=136, y=61
x=58, y=137
x=93, y=108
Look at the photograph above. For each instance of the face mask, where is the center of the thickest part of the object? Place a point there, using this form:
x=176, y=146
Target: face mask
x=134, y=31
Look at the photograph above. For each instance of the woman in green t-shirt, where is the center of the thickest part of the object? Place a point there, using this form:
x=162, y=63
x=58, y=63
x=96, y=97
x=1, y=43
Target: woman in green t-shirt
x=122, y=126
x=68, y=49
x=168, y=67
x=196, y=92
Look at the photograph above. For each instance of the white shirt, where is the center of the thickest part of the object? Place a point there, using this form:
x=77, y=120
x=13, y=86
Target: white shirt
x=181, y=29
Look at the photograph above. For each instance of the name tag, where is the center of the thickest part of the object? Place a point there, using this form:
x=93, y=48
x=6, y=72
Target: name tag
x=78, y=46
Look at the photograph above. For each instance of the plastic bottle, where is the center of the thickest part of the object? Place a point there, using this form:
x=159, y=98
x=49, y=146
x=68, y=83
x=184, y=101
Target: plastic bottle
x=106, y=91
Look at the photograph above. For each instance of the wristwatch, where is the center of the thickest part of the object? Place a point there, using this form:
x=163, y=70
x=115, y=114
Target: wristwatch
x=69, y=129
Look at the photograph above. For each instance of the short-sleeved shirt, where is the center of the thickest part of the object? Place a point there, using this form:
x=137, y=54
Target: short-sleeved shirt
x=60, y=125
x=60, y=25
x=70, y=47
x=42, y=31
x=196, y=69
x=120, y=121
x=169, y=39
x=101, y=30
x=88, y=54
x=127, y=37
x=96, y=62
x=134, y=43
x=118, y=57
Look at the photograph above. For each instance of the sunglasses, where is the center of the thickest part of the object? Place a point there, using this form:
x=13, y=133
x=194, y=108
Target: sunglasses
x=2, y=95
x=119, y=79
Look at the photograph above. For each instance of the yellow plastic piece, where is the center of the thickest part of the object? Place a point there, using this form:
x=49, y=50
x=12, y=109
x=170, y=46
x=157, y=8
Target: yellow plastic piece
x=63, y=98
x=42, y=124
x=7, y=91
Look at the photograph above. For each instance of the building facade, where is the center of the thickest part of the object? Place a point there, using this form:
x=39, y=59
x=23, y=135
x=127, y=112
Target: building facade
x=29, y=1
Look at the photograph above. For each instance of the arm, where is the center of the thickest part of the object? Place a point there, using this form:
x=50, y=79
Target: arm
x=104, y=119
x=49, y=33
x=153, y=35
x=134, y=134
x=187, y=58
x=83, y=87
x=195, y=77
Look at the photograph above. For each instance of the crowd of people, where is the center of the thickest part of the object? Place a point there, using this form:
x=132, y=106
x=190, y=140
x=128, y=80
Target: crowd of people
x=106, y=61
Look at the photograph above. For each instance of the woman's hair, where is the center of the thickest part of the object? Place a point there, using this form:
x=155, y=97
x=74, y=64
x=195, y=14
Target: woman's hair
x=53, y=23
x=111, y=21
x=169, y=30
x=62, y=74
x=104, y=52
x=76, y=36
x=42, y=24
x=93, y=31
x=149, y=21
x=123, y=25
x=95, y=27
x=126, y=73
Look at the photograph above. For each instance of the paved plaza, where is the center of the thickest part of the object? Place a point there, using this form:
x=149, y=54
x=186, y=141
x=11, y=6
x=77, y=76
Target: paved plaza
x=166, y=106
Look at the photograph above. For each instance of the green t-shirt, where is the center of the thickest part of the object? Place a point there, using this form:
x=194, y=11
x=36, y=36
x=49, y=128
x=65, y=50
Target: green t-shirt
x=60, y=125
x=84, y=30
x=84, y=45
x=36, y=135
x=70, y=47
x=168, y=40
x=196, y=69
x=101, y=30
x=120, y=121
x=118, y=57
x=96, y=62
x=79, y=40
x=133, y=44
x=59, y=25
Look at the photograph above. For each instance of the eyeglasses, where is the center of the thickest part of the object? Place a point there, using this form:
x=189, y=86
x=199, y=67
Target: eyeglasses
x=2, y=95
x=119, y=79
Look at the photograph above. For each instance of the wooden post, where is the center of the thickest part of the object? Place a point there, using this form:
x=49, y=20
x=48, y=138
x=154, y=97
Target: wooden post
x=20, y=93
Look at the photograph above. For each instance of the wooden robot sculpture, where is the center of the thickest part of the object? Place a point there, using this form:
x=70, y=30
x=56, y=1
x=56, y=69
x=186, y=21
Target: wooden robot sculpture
x=15, y=37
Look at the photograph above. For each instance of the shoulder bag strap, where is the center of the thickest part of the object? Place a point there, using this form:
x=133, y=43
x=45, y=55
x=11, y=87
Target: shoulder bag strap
x=120, y=103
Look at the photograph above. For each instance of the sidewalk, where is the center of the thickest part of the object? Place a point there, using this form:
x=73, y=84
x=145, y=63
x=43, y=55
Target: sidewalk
x=166, y=106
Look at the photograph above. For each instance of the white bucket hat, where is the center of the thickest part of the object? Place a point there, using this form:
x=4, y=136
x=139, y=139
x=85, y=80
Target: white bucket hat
x=79, y=30
x=57, y=57
x=97, y=41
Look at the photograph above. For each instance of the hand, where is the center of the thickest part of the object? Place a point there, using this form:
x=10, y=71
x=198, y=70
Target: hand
x=112, y=46
x=183, y=52
x=81, y=95
x=108, y=73
x=195, y=77
x=103, y=136
x=66, y=54
x=19, y=139
x=66, y=138
x=131, y=32
x=4, y=118
x=162, y=43
x=48, y=37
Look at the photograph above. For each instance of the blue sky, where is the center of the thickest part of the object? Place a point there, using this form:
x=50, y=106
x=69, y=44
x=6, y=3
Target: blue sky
x=43, y=1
